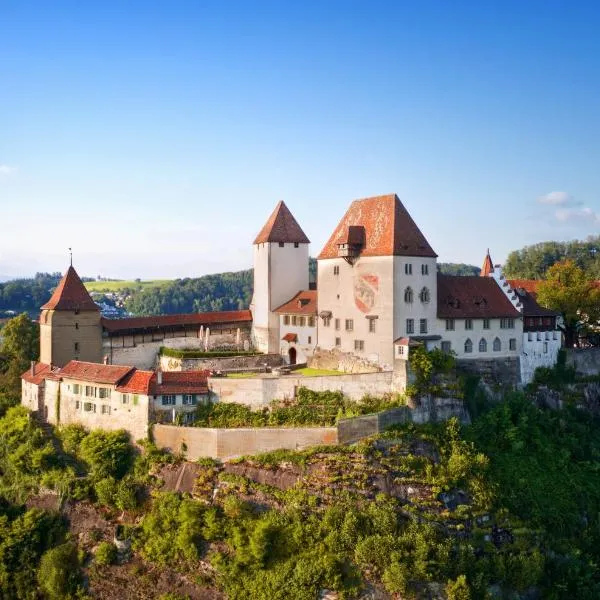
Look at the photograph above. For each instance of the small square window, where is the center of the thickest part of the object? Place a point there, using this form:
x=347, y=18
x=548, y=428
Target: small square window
x=512, y=344
x=446, y=347
x=296, y=244
x=349, y=324
x=359, y=345
x=337, y=324
x=449, y=324
x=286, y=319
x=76, y=325
x=468, y=323
x=424, y=269
x=486, y=323
x=410, y=325
x=422, y=325
x=309, y=339
x=336, y=269
x=76, y=346
x=372, y=325
x=281, y=244
x=326, y=321
x=408, y=269
x=338, y=342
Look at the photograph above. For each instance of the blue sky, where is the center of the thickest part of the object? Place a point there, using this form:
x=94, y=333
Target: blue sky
x=155, y=138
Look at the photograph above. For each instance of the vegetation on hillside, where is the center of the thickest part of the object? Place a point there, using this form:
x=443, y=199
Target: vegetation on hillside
x=532, y=262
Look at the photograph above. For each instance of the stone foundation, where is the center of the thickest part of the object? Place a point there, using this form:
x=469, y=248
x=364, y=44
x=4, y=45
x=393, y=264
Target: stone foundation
x=495, y=371
x=346, y=362
x=225, y=363
x=585, y=360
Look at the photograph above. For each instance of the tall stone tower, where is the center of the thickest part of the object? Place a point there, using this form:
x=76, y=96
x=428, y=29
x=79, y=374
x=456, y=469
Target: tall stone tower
x=280, y=272
x=70, y=326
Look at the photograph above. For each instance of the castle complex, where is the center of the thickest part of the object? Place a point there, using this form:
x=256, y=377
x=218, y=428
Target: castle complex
x=378, y=293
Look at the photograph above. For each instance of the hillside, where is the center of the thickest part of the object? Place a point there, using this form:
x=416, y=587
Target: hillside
x=508, y=505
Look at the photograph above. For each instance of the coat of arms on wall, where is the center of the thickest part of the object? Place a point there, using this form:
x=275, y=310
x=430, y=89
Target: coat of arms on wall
x=366, y=288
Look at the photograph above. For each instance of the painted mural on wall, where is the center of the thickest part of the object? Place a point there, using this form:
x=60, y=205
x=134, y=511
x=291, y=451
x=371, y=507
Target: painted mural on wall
x=366, y=290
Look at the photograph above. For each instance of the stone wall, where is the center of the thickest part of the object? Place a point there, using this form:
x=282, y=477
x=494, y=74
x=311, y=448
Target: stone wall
x=346, y=362
x=226, y=363
x=258, y=392
x=495, y=371
x=586, y=360
x=429, y=410
x=141, y=351
x=196, y=442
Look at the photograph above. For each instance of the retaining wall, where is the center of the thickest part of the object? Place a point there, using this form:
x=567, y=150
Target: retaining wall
x=224, y=363
x=196, y=442
x=258, y=392
x=585, y=360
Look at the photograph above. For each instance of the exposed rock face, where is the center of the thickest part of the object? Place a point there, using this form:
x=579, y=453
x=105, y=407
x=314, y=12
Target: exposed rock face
x=341, y=361
x=496, y=372
x=585, y=396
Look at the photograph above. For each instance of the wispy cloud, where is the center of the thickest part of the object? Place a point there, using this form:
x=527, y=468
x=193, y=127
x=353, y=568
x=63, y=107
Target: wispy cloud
x=558, y=199
x=577, y=214
x=6, y=170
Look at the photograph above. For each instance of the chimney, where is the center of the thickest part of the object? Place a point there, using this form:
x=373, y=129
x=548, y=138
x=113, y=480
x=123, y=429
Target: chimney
x=159, y=377
x=105, y=359
x=32, y=367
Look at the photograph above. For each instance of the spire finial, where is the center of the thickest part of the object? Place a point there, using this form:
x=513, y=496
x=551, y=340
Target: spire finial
x=71, y=256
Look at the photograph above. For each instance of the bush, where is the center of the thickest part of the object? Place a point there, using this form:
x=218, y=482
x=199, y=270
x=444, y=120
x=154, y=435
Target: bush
x=59, y=574
x=106, y=554
x=193, y=353
x=107, y=453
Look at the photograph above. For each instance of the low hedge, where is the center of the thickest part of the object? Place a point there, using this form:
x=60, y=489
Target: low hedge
x=188, y=353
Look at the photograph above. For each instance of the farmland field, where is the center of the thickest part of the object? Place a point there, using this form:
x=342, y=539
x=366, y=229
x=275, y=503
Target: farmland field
x=115, y=286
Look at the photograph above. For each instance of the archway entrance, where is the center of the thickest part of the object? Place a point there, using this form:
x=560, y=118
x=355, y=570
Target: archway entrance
x=292, y=355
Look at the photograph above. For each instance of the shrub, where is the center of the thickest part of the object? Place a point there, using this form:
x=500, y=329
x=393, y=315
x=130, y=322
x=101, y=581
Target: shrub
x=59, y=574
x=106, y=554
x=107, y=453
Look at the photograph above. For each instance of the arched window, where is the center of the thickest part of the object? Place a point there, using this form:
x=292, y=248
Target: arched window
x=482, y=345
x=424, y=295
x=497, y=345
x=408, y=295
x=468, y=346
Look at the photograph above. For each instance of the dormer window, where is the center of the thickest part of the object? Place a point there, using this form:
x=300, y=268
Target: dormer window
x=352, y=243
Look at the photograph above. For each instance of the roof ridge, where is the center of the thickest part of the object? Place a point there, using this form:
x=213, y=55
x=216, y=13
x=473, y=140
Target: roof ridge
x=281, y=226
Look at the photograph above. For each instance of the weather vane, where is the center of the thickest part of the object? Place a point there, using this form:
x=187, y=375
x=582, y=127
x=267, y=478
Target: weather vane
x=71, y=255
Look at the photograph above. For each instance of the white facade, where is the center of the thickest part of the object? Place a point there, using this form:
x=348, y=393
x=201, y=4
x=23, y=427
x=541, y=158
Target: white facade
x=540, y=349
x=306, y=337
x=498, y=341
x=280, y=270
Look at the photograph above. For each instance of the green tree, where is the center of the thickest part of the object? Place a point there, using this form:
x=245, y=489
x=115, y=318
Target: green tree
x=59, y=573
x=569, y=291
x=458, y=589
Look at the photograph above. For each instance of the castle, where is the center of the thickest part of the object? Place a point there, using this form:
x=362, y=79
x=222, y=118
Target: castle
x=378, y=293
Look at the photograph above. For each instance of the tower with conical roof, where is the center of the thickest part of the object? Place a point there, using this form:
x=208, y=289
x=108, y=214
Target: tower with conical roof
x=70, y=324
x=488, y=265
x=280, y=272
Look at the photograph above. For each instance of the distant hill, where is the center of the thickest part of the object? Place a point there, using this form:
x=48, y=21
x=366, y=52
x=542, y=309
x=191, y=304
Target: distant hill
x=458, y=269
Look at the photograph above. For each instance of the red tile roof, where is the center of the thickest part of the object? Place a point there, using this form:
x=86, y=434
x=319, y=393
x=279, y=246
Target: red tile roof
x=529, y=285
x=281, y=227
x=137, y=382
x=180, y=382
x=116, y=326
x=526, y=290
x=41, y=372
x=70, y=295
x=388, y=230
x=472, y=297
x=303, y=303
x=95, y=372
x=290, y=337
x=488, y=265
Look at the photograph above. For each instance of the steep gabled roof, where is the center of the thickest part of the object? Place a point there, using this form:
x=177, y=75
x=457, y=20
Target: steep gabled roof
x=180, y=382
x=136, y=382
x=387, y=229
x=303, y=303
x=472, y=297
x=70, y=295
x=281, y=227
x=41, y=371
x=488, y=265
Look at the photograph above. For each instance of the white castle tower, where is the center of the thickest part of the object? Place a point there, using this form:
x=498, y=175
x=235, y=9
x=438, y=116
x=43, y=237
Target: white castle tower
x=280, y=272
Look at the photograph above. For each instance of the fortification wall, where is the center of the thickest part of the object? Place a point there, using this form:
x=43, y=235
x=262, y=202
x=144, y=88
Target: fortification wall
x=494, y=371
x=586, y=360
x=258, y=392
x=196, y=442
x=227, y=363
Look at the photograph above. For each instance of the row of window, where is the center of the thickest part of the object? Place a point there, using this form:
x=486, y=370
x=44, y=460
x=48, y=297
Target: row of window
x=348, y=324
x=359, y=345
x=424, y=295
x=539, y=336
x=483, y=345
x=538, y=321
x=296, y=244
x=186, y=399
x=298, y=321
x=504, y=324
x=410, y=326
x=408, y=269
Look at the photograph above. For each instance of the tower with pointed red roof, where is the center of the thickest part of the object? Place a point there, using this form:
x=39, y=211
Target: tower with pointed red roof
x=280, y=272
x=70, y=324
x=488, y=265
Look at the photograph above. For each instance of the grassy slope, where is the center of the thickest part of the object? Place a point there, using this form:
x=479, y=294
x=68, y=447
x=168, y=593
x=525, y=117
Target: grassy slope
x=115, y=286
